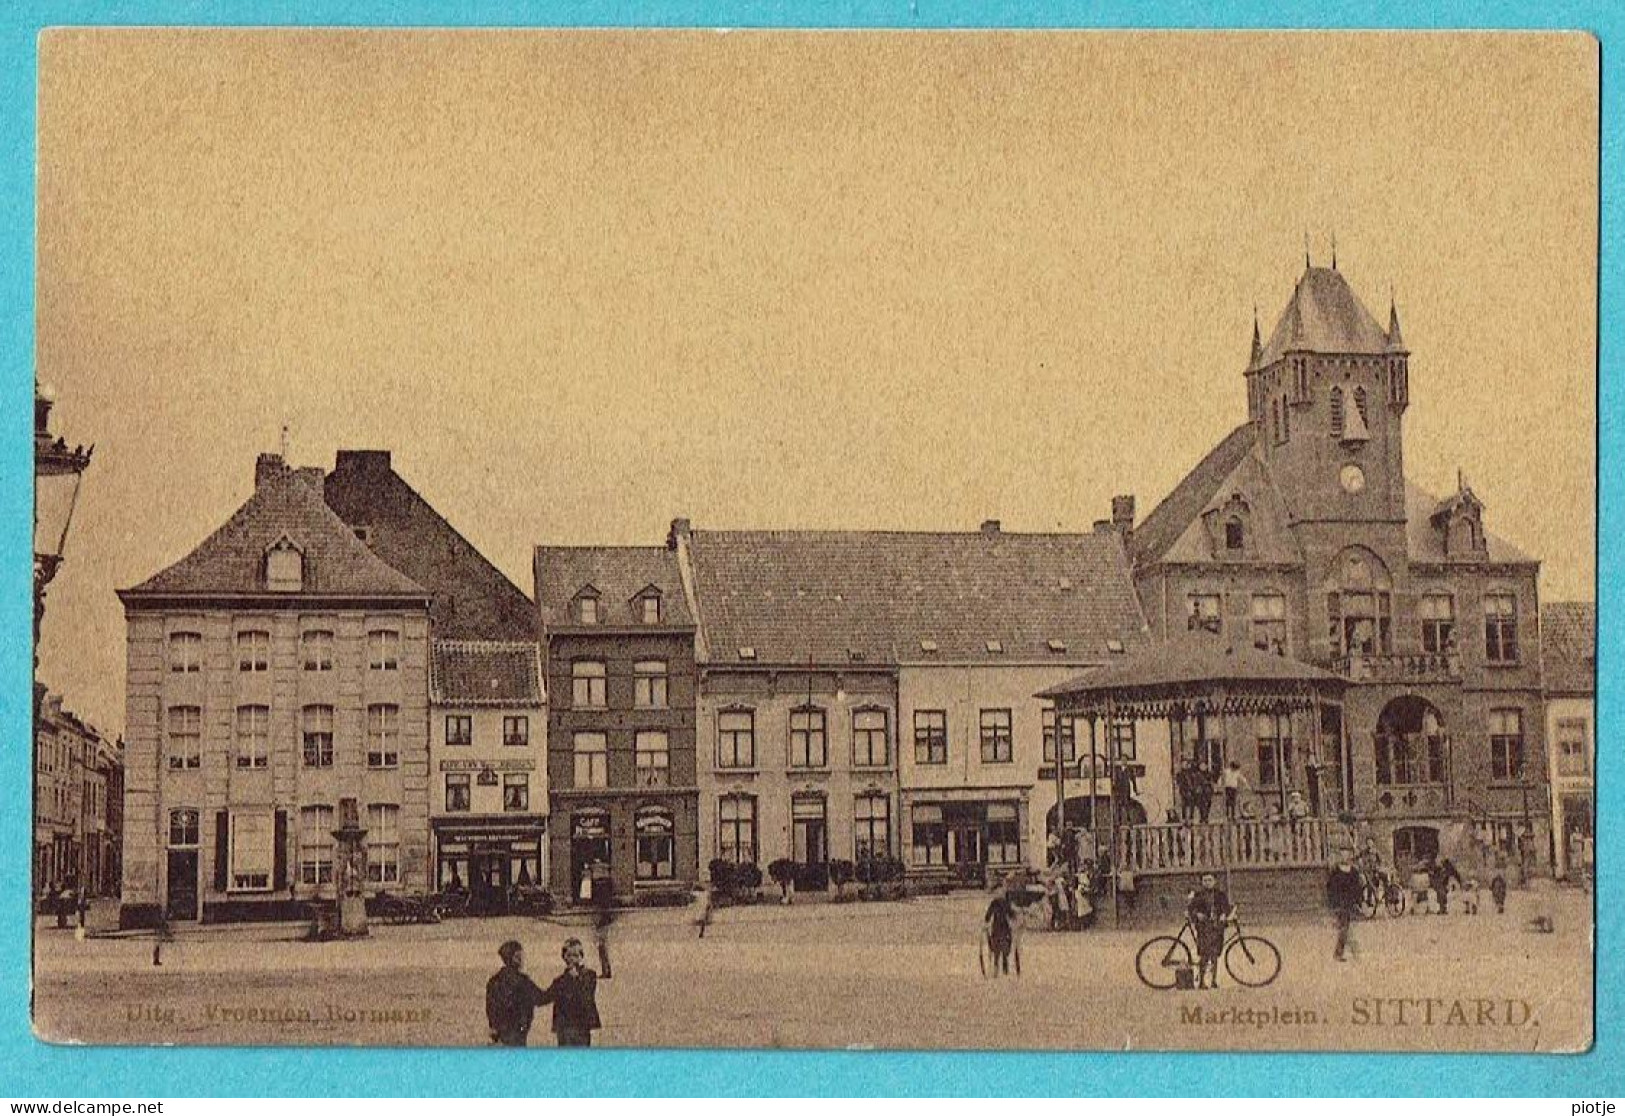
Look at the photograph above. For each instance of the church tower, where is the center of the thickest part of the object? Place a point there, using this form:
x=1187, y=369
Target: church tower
x=1327, y=394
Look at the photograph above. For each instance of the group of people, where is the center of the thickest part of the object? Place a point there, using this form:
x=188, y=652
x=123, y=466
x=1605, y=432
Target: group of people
x=511, y=998
x=1429, y=886
x=1198, y=787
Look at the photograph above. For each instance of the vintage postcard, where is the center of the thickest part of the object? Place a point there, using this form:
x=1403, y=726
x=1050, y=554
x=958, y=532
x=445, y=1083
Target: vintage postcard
x=887, y=540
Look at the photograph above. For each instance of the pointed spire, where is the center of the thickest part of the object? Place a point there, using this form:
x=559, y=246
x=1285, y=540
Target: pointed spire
x=1334, y=249
x=1396, y=342
x=1306, y=264
x=1258, y=344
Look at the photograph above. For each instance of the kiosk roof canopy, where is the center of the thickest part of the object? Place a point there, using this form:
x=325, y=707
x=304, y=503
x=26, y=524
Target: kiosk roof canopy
x=1193, y=665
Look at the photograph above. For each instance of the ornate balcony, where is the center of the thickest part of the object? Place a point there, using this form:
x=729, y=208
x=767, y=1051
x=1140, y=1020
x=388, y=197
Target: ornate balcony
x=1388, y=666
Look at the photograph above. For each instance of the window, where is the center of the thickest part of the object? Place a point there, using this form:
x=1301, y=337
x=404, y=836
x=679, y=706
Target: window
x=185, y=652
x=1269, y=622
x=459, y=729
x=459, y=793
x=284, y=568
x=1360, y=622
x=1068, y=734
x=649, y=608
x=736, y=834
x=1124, y=744
x=383, y=736
x=1205, y=615
x=736, y=738
x=1235, y=536
x=1411, y=744
x=649, y=684
x=185, y=738
x=254, y=652
x=1573, y=748
x=587, y=684
x=1501, y=628
x=515, y=731
x=316, y=649
x=930, y=836
x=591, y=759
x=252, y=839
x=1003, y=833
x=383, y=843
x=996, y=736
x=1274, y=750
x=253, y=736
x=1506, y=745
x=1359, y=405
x=384, y=650
x=318, y=735
x=652, y=750
x=930, y=736
x=316, y=845
x=516, y=792
x=183, y=828
x=871, y=827
x=587, y=610
x=656, y=845
x=871, y=743
x=1337, y=412
x=1438, y=611
x=808, y=744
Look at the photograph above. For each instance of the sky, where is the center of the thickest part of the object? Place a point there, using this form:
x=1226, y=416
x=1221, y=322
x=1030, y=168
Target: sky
x=581, y=283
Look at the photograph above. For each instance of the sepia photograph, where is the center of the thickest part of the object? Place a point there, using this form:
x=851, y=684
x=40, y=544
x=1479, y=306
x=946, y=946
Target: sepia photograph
x=895, y=540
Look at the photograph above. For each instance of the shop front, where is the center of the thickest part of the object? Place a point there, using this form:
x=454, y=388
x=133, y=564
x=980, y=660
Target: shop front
x=493, y=861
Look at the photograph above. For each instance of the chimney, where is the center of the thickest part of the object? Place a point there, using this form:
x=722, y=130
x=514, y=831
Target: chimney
x=312, y=475
x=680, y=529
x=268, y=466
x=990, y=526
x=362, y=461
x=1104, y=527
x=1123, y=515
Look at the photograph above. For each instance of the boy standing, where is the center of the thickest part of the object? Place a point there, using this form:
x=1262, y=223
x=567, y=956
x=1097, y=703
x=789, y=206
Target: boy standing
x=1209, y=910
x=574, y=996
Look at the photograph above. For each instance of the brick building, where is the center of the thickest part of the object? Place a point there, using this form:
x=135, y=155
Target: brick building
x=78, y=783
x=618, y=660
x=277, y=669
x=1300, y=534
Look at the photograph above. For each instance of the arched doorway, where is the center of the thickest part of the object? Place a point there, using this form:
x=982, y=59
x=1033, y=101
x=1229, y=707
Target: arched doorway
x=1412, y=747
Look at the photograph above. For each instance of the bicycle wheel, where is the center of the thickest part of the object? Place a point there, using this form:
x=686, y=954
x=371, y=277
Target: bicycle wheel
x=1396, y=900
x=1160, y=959
x=1368, y=902
x=1252, y=961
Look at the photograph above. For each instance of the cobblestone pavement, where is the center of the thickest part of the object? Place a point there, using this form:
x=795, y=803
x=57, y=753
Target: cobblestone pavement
x=827, y=975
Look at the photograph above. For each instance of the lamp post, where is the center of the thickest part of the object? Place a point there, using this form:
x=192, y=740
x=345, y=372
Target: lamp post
x=57, y=473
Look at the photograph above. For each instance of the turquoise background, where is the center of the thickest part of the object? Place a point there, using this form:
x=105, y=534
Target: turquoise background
x=32, y=1069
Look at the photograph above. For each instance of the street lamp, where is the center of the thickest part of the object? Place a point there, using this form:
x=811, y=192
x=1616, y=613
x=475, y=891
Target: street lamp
x=57, y=473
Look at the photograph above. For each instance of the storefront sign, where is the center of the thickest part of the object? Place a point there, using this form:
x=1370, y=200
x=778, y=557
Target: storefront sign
x=487, y=765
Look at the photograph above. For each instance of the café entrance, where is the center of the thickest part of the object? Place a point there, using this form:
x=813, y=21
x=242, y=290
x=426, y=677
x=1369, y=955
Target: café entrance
x=492, y=863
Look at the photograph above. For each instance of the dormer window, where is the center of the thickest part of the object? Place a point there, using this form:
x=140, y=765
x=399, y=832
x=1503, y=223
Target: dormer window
x=284, y=567
x=1115, y=646
x=747, y=654
x=588, y=608
x=995, y=647
x=1058, y=646
x=646, y=606
x=929, y=646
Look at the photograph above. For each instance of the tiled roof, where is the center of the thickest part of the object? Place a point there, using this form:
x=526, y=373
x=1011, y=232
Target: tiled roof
x=471, y=597
x=1425, y=542
x=1168, y=520
x=284, y=503
x=484, y=672
x=1324, y=316
x=1568, y=647
x=888, y=597
x=617, y=574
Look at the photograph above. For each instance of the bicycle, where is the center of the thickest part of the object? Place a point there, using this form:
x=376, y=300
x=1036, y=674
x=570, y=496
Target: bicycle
x=1249, y=959
x=1381, y=892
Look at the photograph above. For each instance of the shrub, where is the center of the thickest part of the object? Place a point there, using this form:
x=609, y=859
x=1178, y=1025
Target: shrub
x=783, y=872
x=722, y=873
x=841, y=873
x=747, y=877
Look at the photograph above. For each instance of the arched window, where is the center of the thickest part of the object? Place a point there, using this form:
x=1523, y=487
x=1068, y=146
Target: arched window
x=183, y=828
x=1359, y=403
x=1359, y=604
x=656, y=844
x=1337, y=412
x=1410, y=743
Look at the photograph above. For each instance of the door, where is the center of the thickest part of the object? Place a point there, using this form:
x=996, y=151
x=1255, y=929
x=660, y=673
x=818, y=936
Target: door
x=965, y=843
x=589, y=844
x=810, y=846
x=182, y=877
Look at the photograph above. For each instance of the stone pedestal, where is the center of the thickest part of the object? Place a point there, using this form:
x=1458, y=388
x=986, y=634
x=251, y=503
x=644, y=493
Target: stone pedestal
x=350, y=871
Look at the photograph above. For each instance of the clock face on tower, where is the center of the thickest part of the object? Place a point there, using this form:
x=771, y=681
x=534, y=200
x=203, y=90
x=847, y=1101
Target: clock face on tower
x=1352, y=478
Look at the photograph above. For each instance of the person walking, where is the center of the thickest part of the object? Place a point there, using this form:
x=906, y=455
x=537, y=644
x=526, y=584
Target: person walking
x=574, y=996
x=1210, y=911
x=1498, y=890
x=511, y=998
x=999, y=928
x=1343, y=889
